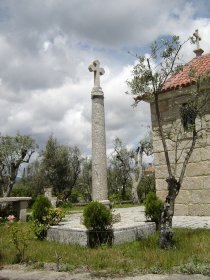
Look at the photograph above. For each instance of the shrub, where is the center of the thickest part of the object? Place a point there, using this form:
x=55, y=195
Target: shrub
x=40, y=208
x=20, y=237
x=74, y=196
x=97, y=216
x=21, y=190
x=115, y=197
x=64, y=204
x=39, y=229
x=153, y=208
x=98, y=219
x=51, y=217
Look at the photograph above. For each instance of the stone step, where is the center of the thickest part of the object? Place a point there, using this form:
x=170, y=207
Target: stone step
x=130, y=227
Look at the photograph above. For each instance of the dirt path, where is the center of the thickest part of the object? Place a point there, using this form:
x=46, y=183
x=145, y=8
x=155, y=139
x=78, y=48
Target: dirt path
x=17, y=272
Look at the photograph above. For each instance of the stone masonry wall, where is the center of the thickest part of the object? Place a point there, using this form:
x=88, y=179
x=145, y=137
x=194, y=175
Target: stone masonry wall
x=194, y=195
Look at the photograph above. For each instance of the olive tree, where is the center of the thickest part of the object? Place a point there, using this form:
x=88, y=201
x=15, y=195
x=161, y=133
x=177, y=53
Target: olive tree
x=14, y=151
x=148, y=78
x=144, y=148
x=119, y=170
x=60, y=166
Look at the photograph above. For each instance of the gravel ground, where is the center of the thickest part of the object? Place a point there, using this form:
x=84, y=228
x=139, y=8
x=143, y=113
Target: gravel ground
x=18, y=272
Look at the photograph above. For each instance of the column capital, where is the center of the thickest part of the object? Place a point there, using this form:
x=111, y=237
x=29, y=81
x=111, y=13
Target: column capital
x=97, y=92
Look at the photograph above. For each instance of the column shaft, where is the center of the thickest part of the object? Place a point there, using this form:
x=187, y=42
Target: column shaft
x=99, y=161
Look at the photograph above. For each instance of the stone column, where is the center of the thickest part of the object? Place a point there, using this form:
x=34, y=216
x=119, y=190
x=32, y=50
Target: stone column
x=99, y=162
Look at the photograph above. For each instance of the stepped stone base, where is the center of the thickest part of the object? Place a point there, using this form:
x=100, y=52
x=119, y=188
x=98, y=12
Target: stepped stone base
x=131, y=227
x=80, y=236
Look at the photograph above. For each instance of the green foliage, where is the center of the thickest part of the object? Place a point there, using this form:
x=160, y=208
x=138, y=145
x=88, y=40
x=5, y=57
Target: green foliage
x=115, y=197
x=150, y=74
x=20, y=238
x=20, y=189
x=98, y=219
x=13, y=152
x=61, y=166
x=74, y=196
x=147, y=184
x=39, y=229
x=44, y=216
x=153, y=208
x=51, y=217
x=119, y=169
x=33, y=179
x=40, y=208
x=6, y=210
x=97, y=216
x=64, y=204
x=84, y=183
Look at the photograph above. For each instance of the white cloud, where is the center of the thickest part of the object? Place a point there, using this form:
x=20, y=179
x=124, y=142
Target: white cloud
x=46, y=47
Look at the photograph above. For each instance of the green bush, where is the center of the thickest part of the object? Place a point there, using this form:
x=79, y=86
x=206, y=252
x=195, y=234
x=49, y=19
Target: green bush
x=25, y=190
x=153, y=208
x=98, y=219
x=51, y=217
x=21, y=190
x=20, y=237
x=97, y=216
x=115, y=197
x=40, y=208
x=64, y=204
x=74, y=196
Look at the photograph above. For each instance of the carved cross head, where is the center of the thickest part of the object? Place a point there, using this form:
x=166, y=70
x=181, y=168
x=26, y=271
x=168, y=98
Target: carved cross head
x=95, y=67
x=196, y=39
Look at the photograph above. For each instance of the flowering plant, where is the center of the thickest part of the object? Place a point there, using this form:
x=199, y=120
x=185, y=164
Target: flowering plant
x=11, y=218
x=52, y=217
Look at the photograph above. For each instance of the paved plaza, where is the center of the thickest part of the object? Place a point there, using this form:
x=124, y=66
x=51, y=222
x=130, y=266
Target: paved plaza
x=130, y=225
x=134, y=216
x=191, y=221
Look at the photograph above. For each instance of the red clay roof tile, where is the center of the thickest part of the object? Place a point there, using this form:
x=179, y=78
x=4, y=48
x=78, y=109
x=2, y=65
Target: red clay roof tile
x=200, y=64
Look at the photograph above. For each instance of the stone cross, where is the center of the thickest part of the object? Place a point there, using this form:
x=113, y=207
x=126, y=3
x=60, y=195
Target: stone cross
x=197, y=39
x=198, y=51
x=99, y=164
x=95, y=67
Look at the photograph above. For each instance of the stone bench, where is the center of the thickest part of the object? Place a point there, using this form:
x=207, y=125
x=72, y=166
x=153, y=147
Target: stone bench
x=20, y=205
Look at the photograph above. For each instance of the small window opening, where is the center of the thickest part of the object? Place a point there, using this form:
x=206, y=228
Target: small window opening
x=188, y=116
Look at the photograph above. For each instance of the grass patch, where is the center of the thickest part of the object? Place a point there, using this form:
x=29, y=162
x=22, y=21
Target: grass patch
x=190, y=253
x=126, y=205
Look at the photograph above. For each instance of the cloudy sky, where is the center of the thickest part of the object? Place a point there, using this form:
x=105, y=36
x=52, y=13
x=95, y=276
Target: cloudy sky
x=46, y=47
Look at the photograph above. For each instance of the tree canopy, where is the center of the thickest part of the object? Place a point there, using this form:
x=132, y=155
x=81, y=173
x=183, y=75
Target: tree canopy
x=14, y=151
